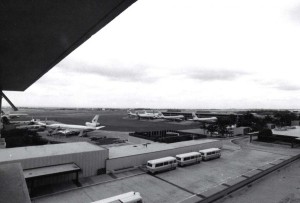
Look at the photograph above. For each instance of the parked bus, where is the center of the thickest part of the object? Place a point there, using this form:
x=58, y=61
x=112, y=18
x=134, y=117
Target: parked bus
x=129, y=197
x=210, y=153
x=162, y=164
x=188, y=158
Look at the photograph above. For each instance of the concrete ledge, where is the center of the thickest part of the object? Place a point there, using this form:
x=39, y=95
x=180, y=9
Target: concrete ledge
x=192, y=199
x=239, y=182
x=265, y=167
x=285, y=158
x=251, y=173
x=213, y=191
x=235, y=181
x=278, y=161
x=209, y=194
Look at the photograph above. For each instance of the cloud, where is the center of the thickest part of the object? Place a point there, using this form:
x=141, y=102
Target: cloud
x=280, y=84
x=287, y=87
x=133, y=73
x=213, y=74
x=295, y=14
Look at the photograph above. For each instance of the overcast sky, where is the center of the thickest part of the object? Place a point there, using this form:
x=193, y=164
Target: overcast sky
x=182, y=54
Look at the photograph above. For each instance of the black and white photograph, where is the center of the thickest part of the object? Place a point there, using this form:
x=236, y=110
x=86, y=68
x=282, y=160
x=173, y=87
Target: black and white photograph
x=150, y=101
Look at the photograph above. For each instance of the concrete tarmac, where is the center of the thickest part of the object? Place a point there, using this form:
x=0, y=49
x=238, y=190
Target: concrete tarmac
x=282, y=186
x=184, y=182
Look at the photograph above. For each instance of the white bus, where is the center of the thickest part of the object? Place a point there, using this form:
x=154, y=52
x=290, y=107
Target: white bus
x=188, y=158
x=161, y=164
x=129, y=197
x=210, y=153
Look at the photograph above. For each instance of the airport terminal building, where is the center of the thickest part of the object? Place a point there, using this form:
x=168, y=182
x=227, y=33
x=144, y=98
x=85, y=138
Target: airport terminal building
x=48, y=164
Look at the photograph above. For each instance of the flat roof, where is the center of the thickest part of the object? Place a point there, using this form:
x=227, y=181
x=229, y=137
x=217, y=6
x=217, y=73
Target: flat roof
x=18, y=153
x=36, y=35
x=131, y=150
x=203, y=113
x=13, y=188
x=194, y=131
x=295, y=132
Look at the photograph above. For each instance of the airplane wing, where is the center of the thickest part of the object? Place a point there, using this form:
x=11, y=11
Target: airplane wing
x=99, y=127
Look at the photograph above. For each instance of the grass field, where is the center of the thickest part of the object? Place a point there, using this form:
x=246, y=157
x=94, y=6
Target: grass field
x=113, y=120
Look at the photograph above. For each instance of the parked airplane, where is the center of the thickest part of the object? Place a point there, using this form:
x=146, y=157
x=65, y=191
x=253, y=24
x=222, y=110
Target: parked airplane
x=147, y=115
x=29, y=125
x=67, y=129
x=36, y=126
x=204, y=120
x=130, y=114
x=144, y=115
x=11, y=116
x=173, y=118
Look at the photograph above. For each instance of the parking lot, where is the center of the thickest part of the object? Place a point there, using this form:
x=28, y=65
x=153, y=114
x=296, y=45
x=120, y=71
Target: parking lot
x=177, y=185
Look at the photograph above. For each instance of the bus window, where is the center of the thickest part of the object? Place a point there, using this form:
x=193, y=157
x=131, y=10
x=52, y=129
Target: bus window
x=186, y=158
x=150, y=165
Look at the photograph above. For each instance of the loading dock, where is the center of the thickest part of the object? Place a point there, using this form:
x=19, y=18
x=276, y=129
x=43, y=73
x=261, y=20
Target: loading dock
x=88, y=157
x=34, y=174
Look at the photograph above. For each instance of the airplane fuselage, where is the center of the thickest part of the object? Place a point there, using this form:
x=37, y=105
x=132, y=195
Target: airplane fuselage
x=76, y=127
x=178, y=118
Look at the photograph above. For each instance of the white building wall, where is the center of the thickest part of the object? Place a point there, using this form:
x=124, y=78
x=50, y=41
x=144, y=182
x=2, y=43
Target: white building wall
x=240, y=130
x=115, y=164
x=89, y=162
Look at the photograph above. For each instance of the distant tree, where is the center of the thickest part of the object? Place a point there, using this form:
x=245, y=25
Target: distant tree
x=265, y=134
x=212, y=128
x=223, y=123
x=246, y=120
x=284, y=118
x=268, y=119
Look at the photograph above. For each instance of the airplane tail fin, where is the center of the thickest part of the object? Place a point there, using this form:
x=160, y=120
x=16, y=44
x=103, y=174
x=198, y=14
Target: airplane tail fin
x=94, y=122
x=95, y=119
x=194, y=115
